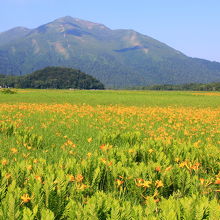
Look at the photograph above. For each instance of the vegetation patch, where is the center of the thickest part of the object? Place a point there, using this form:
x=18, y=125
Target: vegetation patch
x=78, y=161
x=53, y=77
x=8, y=91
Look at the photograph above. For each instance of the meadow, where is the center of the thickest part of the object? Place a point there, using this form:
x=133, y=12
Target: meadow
x=73, y=154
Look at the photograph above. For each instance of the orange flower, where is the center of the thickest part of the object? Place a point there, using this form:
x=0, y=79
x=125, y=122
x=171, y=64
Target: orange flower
x=25, y=198
x=4, y=162
x=217, y=181
x=71, y=178
x=158, y=169
x=79, y=178
x=119, y=182
x=102, y=147
x=103, y=160
x=156, y=200
x=110, y=163
x=195, y=166
x=202, y=181
x=168, y=168
x=7, y=175
x=38, y=178
x=139, y=182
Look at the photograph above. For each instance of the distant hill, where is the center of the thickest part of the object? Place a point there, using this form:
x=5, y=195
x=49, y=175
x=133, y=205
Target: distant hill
x=118, y=58
x=52, y=77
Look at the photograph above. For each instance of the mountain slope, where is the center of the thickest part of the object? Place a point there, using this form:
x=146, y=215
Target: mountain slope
x=13, y=34
x=118, y=58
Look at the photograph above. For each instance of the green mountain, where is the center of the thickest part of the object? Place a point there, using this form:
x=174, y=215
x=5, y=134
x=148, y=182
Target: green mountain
x=118, y=58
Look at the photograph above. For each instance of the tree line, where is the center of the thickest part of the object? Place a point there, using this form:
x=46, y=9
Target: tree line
x=215, y=86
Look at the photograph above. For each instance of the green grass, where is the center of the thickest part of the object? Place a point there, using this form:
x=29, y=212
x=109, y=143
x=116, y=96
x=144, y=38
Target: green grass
x=108, y=97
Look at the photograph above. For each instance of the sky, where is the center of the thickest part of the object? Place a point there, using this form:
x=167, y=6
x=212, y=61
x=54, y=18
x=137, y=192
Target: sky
x=190, y=26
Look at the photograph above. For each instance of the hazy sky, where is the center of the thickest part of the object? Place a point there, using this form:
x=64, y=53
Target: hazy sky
x=191, y=26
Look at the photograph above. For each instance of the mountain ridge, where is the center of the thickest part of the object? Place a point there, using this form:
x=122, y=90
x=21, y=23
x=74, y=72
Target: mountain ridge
x=118, y=58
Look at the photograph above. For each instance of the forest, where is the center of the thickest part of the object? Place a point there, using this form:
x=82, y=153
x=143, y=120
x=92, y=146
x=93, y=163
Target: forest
x=215, y=86
x=53, y=78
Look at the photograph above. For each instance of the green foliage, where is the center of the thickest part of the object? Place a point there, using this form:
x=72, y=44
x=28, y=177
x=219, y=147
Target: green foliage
x=8, y=91
x=53, y=77
x=99, y=189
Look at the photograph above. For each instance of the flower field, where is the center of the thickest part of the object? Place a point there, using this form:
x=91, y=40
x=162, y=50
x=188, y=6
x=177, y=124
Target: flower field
x=103, y=155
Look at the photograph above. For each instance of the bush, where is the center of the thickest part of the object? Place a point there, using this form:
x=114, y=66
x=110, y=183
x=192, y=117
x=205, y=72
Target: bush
x=8, y=91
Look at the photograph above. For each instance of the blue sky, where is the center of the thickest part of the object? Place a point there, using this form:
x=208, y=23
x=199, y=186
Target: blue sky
x=191, y=26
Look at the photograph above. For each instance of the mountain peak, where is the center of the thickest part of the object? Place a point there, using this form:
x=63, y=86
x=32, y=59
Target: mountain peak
x=18, y=29
x=80, y=22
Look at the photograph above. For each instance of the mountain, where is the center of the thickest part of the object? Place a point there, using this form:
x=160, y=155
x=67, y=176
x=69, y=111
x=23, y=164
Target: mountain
x=118, y=58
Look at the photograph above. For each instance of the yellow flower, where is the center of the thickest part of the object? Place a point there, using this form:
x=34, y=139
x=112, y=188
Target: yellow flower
x=25, y=198
x=35, y=161
x=159, y=183
x=14, y=150
x=131, y=151
x=177, y=159
x=183, y=164
x=89, y=140
x=150, y=151
x=89, y=154
x=146, y=184
x=71, y=152
x=29, y=167
x=82, y=187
